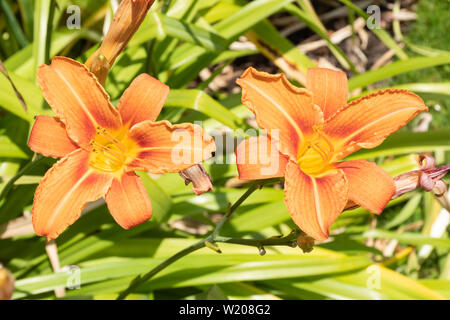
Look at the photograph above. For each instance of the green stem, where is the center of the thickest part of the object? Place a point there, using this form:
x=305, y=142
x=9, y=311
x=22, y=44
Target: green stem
x=255, y=186
x=212, y=238
x=43, y=14
x=30, y=165
x=139, y=280
x=275, y=241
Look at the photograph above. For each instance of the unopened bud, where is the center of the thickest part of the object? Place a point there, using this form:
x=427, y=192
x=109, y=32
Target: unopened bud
x=6, y=284
x=306, y=243
x=100, y=67
x=126, y=21
x=262, y=251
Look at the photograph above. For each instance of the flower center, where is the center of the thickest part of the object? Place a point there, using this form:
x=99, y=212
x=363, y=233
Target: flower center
x=109, y=151
x=315, y=159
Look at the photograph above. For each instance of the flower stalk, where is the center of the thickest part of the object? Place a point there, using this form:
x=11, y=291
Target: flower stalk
x=210, y=242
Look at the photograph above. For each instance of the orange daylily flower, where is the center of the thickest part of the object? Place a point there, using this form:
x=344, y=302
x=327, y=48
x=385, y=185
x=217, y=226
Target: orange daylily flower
x=101, y=147
x=315, y=129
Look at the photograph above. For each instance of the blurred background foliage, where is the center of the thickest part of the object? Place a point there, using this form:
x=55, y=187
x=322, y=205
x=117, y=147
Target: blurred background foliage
x=199, y=48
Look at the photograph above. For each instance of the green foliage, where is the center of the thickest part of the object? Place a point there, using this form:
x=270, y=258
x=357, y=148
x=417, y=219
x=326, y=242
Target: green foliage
x=426, y=33
x=178, y=40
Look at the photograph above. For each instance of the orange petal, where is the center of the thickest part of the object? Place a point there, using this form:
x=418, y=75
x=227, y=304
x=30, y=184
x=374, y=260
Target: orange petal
x=329, y=88
x=368, y=185
x=163, y=147
x=366, y=122
x=64, y=191
x=49, y=137
x=143, y=100
x=314, y=203
x=128, y=201
x=258, y=158
x=278, y=105
x=77, y=99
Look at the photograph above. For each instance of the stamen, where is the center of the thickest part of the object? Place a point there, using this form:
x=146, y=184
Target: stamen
x=113, y=159
x=94, y=165
x=111, y=138
x=325, y=138
x=322, y=153
x=108, y=153
x=107, y=149
x=104, y=161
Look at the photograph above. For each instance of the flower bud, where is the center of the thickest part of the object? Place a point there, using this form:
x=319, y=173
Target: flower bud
x=126, y=21
x=306, y=243
x=6, y=284
x=100, y=67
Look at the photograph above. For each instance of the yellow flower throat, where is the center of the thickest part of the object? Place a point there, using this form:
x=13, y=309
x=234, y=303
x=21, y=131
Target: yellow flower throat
x=316, y=157
x=110, y=151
